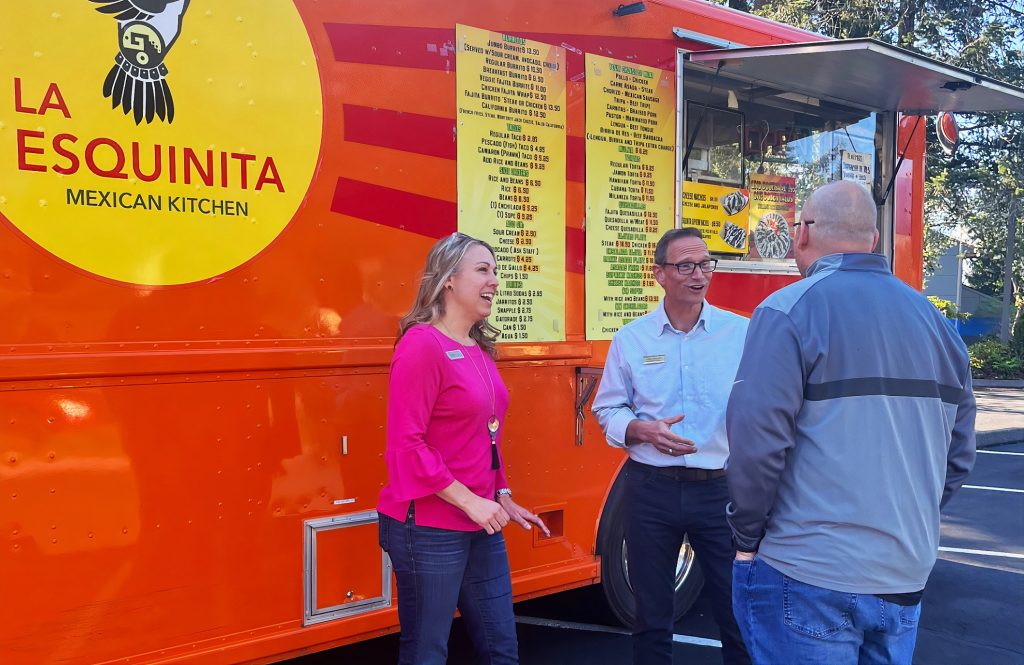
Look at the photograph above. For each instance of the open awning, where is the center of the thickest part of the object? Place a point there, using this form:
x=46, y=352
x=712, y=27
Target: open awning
x=865, y=74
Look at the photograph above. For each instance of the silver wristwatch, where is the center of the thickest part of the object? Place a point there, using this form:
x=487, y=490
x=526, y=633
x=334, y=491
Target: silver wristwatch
x=503, y=491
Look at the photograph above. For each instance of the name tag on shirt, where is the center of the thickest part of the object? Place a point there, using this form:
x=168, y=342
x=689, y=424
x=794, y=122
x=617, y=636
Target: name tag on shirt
x=654, y=360
x=455, y=355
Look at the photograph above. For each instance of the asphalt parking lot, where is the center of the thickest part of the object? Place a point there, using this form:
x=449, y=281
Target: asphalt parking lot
x=972, y=606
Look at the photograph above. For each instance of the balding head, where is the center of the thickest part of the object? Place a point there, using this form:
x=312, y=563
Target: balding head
x=837, y=218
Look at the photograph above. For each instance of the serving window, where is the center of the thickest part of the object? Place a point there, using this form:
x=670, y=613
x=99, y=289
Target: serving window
x=754, y=153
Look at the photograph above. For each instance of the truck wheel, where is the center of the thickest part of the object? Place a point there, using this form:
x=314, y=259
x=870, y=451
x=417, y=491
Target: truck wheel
x=615, y=564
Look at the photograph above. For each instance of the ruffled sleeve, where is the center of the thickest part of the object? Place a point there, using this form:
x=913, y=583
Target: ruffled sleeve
x=415, y=469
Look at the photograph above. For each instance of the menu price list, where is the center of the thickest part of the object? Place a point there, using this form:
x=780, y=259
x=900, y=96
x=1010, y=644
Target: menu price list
x=630, y=198
x=512, y=174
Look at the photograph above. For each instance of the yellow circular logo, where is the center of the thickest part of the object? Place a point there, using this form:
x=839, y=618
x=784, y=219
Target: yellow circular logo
x=155, y=142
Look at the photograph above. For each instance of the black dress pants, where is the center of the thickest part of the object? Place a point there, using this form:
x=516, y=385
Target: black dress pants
x=661, y=511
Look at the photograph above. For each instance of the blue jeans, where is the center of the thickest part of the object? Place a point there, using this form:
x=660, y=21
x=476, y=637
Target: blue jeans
x=438, y=570
x=787, y=621
x=660, y=512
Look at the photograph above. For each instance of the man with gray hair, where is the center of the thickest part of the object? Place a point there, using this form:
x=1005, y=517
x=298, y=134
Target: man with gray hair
x=662, y=398
x=851, y=424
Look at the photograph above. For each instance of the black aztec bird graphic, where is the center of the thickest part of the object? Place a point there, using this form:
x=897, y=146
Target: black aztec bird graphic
x=146, y=31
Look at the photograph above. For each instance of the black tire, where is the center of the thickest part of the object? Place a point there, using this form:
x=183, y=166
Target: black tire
x=615, y=567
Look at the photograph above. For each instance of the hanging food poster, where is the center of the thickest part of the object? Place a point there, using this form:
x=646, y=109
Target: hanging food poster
x=720, y=213
x=771, y=217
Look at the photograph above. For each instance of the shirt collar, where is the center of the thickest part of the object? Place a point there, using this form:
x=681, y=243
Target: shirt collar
x=864, y=261
x=706, y=319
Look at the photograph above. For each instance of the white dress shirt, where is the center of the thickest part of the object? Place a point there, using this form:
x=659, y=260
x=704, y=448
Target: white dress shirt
x=654, y=371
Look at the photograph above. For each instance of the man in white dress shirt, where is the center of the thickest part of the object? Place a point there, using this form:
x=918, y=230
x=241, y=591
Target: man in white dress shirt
x=663, y=398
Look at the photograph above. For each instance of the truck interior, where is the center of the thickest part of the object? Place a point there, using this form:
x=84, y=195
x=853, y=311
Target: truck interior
x=815, y=113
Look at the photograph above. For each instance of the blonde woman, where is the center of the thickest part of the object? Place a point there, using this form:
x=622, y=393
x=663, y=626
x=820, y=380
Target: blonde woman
x=447, y=500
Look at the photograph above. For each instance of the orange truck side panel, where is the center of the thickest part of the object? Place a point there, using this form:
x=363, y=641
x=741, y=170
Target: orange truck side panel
x=908, y=208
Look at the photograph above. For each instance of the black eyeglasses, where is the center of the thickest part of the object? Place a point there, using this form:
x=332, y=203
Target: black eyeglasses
x=687, y=267
x=808, y=222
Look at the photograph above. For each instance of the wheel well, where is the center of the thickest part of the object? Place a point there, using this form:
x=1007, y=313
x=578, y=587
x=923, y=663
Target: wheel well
x=615, y=491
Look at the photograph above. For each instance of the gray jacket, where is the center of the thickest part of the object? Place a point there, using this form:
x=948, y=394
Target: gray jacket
x=850, y=424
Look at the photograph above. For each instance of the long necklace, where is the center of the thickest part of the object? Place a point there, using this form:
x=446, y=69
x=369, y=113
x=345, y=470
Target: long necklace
x=492, y=423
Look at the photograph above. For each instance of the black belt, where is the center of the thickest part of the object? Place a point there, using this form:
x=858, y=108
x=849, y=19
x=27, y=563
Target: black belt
x=682, y=473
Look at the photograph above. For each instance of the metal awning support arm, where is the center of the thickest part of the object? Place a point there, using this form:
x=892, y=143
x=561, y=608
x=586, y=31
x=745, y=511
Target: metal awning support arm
x=899, y=163
x=700, y=119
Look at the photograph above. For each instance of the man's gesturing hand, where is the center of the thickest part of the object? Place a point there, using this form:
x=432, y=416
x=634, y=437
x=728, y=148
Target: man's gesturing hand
x=659, y=434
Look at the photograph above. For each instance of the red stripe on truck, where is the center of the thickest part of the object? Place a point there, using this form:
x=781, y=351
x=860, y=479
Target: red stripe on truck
x=434, y=48
x=419, y=48
x=415, y=213
x=423, y=215
x=411, y=132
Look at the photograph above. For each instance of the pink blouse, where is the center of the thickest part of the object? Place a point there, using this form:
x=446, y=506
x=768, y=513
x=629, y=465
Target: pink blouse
x=439, y=403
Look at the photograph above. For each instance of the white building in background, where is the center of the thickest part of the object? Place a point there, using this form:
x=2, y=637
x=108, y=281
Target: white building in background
x=943, y=283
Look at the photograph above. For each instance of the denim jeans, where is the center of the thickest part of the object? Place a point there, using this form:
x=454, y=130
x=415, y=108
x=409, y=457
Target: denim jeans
x=787, y=621
x=660, y=512
x=438, y=570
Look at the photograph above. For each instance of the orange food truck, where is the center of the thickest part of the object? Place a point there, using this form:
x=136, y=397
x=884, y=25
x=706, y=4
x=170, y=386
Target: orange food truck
x=212, y=216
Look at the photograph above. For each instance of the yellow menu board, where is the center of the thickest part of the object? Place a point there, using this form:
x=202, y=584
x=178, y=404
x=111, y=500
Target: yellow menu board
x=772, y=213
x=719, y=212
x=511, y=174
x=630, y=188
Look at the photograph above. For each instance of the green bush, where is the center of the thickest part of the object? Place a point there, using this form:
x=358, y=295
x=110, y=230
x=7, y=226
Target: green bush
x=948, y=309
x=991, y=359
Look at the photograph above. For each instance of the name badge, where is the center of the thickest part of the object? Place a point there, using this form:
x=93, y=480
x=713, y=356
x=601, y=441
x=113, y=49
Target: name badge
x=654, y=360
x=455, y=355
